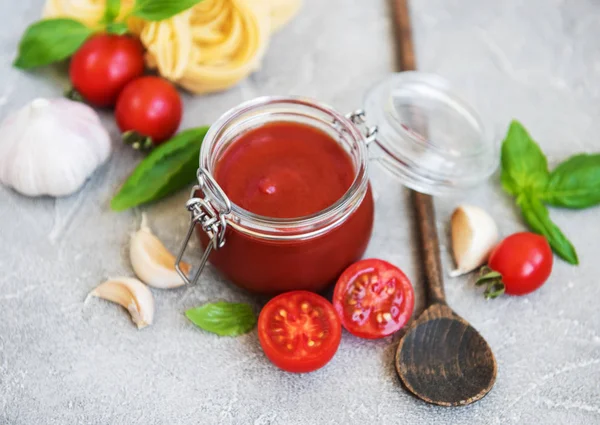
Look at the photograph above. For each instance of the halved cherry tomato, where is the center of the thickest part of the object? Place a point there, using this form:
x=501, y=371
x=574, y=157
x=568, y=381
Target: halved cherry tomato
x=373, y=298
x=299, y=331
x=524, y=263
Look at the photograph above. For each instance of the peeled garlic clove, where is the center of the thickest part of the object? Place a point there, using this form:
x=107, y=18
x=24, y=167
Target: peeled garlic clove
x=152, y=262
x=51, y=146
x=474, y=235
x=131, y=294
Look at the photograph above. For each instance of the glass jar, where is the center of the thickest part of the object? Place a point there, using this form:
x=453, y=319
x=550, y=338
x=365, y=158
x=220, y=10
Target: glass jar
x=271, y=255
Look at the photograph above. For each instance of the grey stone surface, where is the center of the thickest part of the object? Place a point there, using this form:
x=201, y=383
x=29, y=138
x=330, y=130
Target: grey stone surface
x=63, y=362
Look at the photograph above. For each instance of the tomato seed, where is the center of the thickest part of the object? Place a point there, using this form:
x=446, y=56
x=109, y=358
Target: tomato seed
x=387, y=317
x=283, y=313
x=379, y=318
x=311, y=343
x=358, y=293
x=304, y=307
x=352, y=301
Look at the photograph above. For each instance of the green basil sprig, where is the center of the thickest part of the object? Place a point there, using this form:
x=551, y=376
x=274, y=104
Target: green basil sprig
x=168, y=168
x=112, y=10
x=524, y=165
x=118, y=28
x=158, y=10
x=49, y=41
x=537, y=216
x=575, y=183
x=223, y=318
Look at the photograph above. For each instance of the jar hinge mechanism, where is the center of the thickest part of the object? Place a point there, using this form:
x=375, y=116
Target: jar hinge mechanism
x=208, y=206
x=359, y=118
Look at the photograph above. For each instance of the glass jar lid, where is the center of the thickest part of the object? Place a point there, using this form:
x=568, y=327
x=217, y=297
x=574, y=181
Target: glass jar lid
x=427, y=135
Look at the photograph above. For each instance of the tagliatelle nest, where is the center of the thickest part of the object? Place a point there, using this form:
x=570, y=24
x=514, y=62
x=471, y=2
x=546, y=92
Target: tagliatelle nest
x=208, y=48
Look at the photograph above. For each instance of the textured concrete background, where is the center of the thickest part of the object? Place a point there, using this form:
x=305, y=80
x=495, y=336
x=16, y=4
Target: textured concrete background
x=66, y=363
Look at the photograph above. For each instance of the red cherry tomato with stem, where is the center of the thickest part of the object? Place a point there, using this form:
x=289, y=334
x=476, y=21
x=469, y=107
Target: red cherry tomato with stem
x=103, y=65
x=150, y=107
x=373, y=298
x=299, y=331
x=520, y=264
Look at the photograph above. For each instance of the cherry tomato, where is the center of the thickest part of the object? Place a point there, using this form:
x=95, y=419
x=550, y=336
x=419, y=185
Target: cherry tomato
x=524, y=261
x=299, y=331
x=373, y=298
x=151, y=107
x=103, y=65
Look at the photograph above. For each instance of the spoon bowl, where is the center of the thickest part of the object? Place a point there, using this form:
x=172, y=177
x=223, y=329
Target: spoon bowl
x=444, y=360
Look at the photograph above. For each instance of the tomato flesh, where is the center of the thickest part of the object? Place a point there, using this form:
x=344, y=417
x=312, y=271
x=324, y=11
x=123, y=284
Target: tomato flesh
x=299, y=331
x=103, y=65
x=373, y=298
x=151, y=106
x=524, y=260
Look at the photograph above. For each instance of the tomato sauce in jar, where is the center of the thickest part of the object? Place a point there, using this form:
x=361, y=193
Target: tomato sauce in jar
x=289, y=170
x=283, y=200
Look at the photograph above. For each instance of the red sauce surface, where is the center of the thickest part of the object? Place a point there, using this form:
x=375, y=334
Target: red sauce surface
x=289, y=170
x=284, y=170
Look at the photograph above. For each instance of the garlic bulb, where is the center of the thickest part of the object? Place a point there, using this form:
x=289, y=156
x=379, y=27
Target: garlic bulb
x=474, y=235
x=131, y=294
x=51, y=147
x=152, y=262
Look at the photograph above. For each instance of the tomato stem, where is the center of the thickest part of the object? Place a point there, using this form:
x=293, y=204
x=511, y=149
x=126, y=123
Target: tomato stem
x=73, y=94
x=138, y=141
x=492, y=281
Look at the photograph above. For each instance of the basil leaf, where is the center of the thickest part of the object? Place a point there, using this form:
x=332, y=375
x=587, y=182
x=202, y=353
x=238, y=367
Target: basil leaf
x=157, y=10
x=222, y=318
x=118, y=28
x=575, y=183
x=168, y=168
x=536, y=215
x=113, y=7
x=49, y=41
x=524, y=165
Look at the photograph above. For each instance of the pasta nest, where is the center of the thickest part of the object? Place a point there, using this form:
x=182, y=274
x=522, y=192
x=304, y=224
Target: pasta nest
x=207, y=48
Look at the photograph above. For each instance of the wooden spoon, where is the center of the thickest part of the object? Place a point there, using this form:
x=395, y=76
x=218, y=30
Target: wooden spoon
x=441, y=359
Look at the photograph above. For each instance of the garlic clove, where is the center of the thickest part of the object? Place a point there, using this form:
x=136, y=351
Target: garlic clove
x=51, y=147
x=131, y=294
x=474, y=235
x=151, y=260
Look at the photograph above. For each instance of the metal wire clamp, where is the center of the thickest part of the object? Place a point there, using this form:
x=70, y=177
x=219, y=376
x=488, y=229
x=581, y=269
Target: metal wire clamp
x=359, y=118
x=209, y=210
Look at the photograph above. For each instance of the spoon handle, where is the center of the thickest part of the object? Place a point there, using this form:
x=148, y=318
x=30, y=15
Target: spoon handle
x=430, y=247
x=423, y=204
